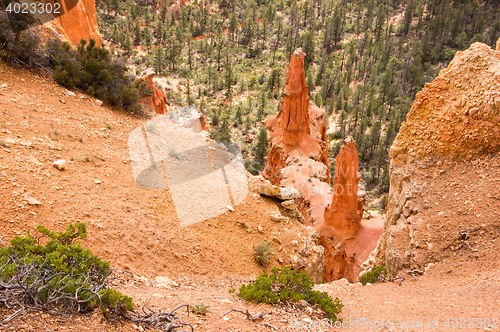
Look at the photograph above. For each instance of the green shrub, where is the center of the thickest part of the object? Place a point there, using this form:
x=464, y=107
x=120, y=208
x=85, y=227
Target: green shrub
x=57, y=273
x=115, y=304
x=373, y=275
x=200, y=309
x=286, y=285
x=263, y=253
x=92, y=69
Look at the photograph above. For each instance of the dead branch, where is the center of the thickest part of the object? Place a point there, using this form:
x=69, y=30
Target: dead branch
x=247, y=314
x=269, y=325
x=415, y=272
x=461, y=239
x=165, y=321
x=382, y=278
x=11, y=318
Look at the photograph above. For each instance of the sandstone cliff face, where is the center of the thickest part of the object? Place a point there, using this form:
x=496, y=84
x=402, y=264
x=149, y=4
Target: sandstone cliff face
x=456, y=117
x=77, y=21
x=80, y=22
x=458, y=114
x=158, y=101
x=298, y=158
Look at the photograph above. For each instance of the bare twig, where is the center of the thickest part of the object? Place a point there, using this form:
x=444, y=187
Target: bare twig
x=11, y=317
x=247, y=314
x=414, y=273
x=269, y=325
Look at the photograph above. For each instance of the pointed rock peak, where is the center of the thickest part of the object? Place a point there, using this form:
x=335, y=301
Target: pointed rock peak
x=349, y=141
x=296, y=77
x=294, y=116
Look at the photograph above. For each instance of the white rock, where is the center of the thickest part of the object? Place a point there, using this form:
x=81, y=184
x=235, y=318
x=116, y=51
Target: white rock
x=230, y=208
x=60, y=164
x=276, y=217
x=3, y=86
x=287, y=193
x=260, y=229
x=32, y=201
x=143, y=281
x=98, y=102
x=97, y=181
x=70, y=93
x=165, y=282
x=429, y=266
x=289, y=204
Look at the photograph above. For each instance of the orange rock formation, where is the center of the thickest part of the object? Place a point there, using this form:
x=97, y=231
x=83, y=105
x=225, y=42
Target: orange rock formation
x=293, y=119
x=158, y=100
x=80, y=21
x=298, y=157
x=344, y=215
x=299, y=126
x=457, y=114
x=455, y=117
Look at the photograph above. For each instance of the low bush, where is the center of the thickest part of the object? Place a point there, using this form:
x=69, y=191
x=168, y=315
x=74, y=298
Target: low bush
x=58, y=273
x=373, y=276
x=93, y=70
x=285, y=285
x=200, y=309
x=263, y=253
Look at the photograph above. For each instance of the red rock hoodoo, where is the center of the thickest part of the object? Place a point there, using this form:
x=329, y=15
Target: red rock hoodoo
x=344, y=214
x=298, y=129
x=158, y=101
x=298, y=157
x=294, y=118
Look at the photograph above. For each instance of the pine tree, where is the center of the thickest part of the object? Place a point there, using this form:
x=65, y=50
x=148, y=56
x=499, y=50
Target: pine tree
x=138, y=31
x=127, y=43
x=262, y=106
x=238, y=117
x=317, y=100
x=262, y=146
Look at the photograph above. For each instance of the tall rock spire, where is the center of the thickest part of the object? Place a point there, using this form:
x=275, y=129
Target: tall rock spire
x=344, y=214
x=294, y=117
x=299, y=127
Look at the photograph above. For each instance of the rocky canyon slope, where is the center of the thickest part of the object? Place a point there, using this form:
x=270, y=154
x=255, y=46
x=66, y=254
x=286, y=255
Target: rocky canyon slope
x=435, y=204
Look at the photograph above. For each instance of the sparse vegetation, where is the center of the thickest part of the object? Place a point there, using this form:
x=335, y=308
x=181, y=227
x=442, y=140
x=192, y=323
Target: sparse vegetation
x=263, y=253
x=285, y=285
x=57, y=273
x=373, y=275
x=93, y=70
x=200, y=309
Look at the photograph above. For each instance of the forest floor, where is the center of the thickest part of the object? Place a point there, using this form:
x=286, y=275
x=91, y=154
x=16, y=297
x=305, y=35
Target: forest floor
x=138, y=232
